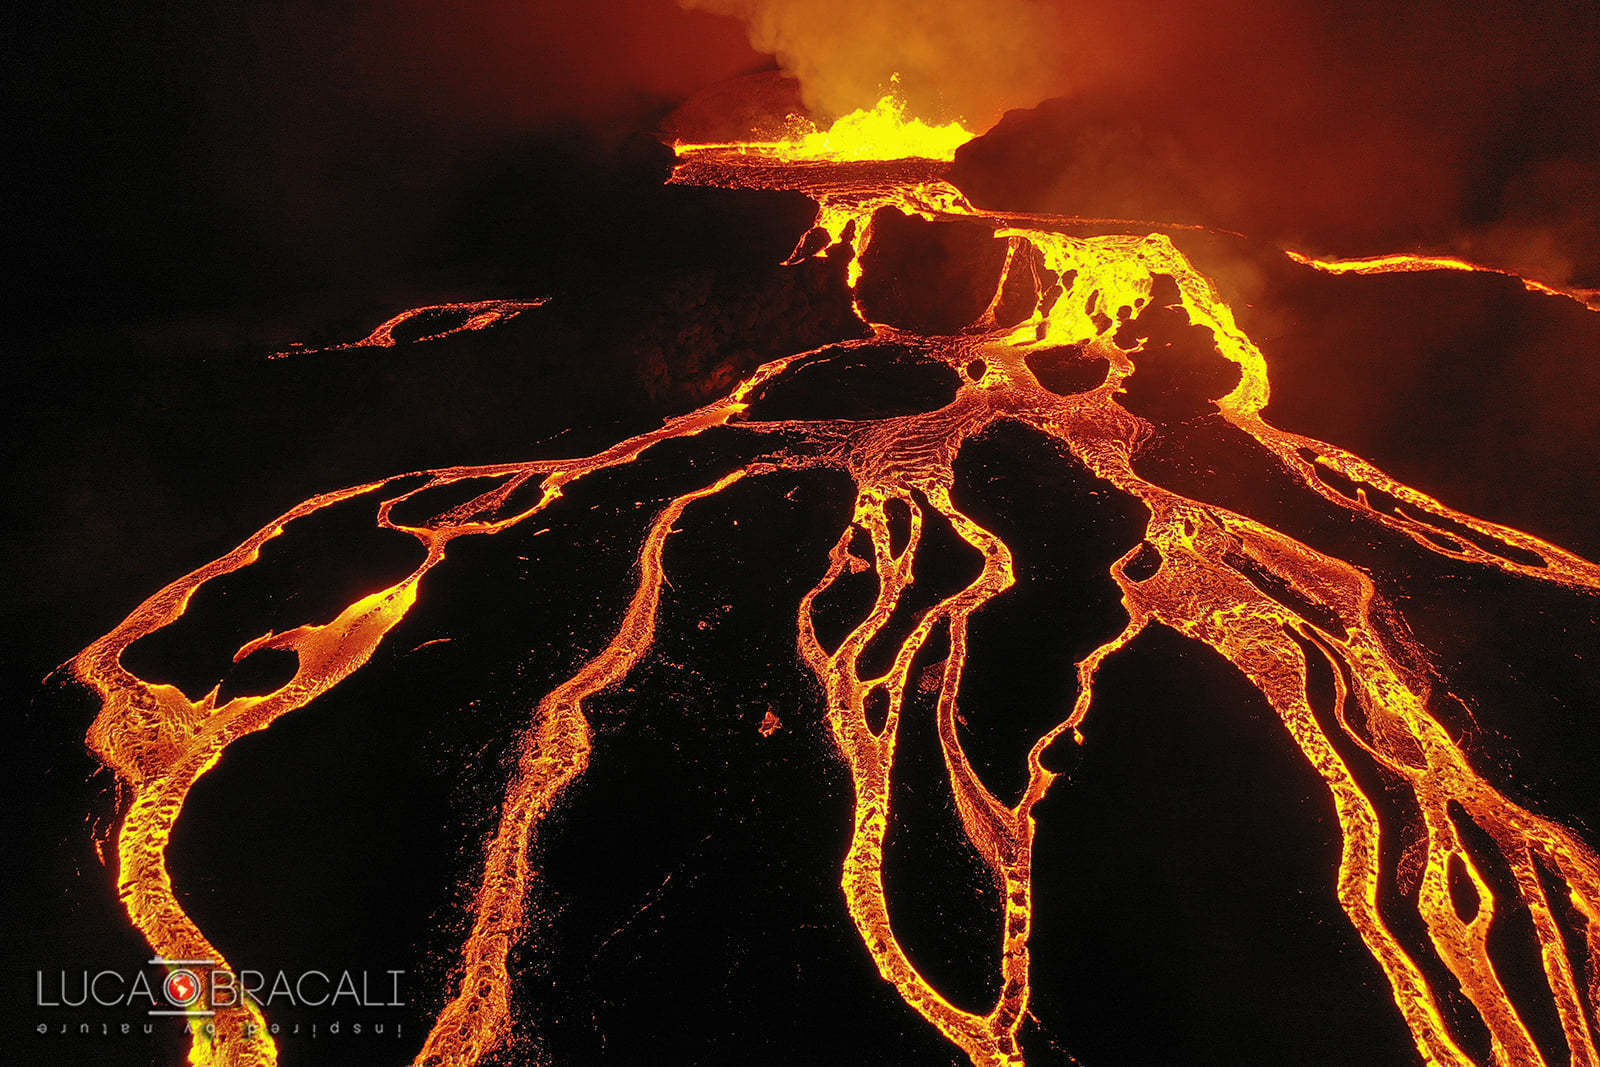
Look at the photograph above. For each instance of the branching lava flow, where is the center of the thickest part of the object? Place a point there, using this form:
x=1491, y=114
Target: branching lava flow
x=1260, y=598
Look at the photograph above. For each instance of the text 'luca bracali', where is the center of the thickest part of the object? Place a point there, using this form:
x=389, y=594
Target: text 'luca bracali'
x=307, y=1003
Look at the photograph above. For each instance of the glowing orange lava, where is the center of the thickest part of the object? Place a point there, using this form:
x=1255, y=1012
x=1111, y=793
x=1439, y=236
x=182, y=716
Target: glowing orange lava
x=883, y=131
x=1258, y=597
x=473, y=314
x=1405, y=263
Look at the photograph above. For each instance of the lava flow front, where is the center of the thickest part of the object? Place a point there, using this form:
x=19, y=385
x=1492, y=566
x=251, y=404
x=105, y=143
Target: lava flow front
x=1274, y=607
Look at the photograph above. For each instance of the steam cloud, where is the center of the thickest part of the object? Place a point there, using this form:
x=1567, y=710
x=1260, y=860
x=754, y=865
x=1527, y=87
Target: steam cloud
x=1449, y=126
x=967, y=59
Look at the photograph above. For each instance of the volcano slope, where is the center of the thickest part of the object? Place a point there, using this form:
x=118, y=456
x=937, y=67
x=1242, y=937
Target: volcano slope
x=1031, y=498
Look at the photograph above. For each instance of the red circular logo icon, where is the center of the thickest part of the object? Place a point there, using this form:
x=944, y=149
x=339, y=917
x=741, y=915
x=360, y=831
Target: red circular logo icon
x=182, y=988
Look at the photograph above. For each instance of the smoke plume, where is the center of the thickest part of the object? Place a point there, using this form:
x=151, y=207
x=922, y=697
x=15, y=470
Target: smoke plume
x=968, y=59
x=1446, y=126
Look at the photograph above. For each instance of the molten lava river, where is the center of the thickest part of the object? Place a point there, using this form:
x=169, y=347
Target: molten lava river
x=1074, y=356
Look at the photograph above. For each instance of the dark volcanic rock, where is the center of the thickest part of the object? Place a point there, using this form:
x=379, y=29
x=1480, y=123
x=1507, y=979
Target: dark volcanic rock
x=753, y=107
x=930, y=277
x=1082, y=157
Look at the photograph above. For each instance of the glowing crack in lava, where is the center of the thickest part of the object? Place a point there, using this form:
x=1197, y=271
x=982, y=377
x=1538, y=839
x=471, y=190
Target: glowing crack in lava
x=1272, y=606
